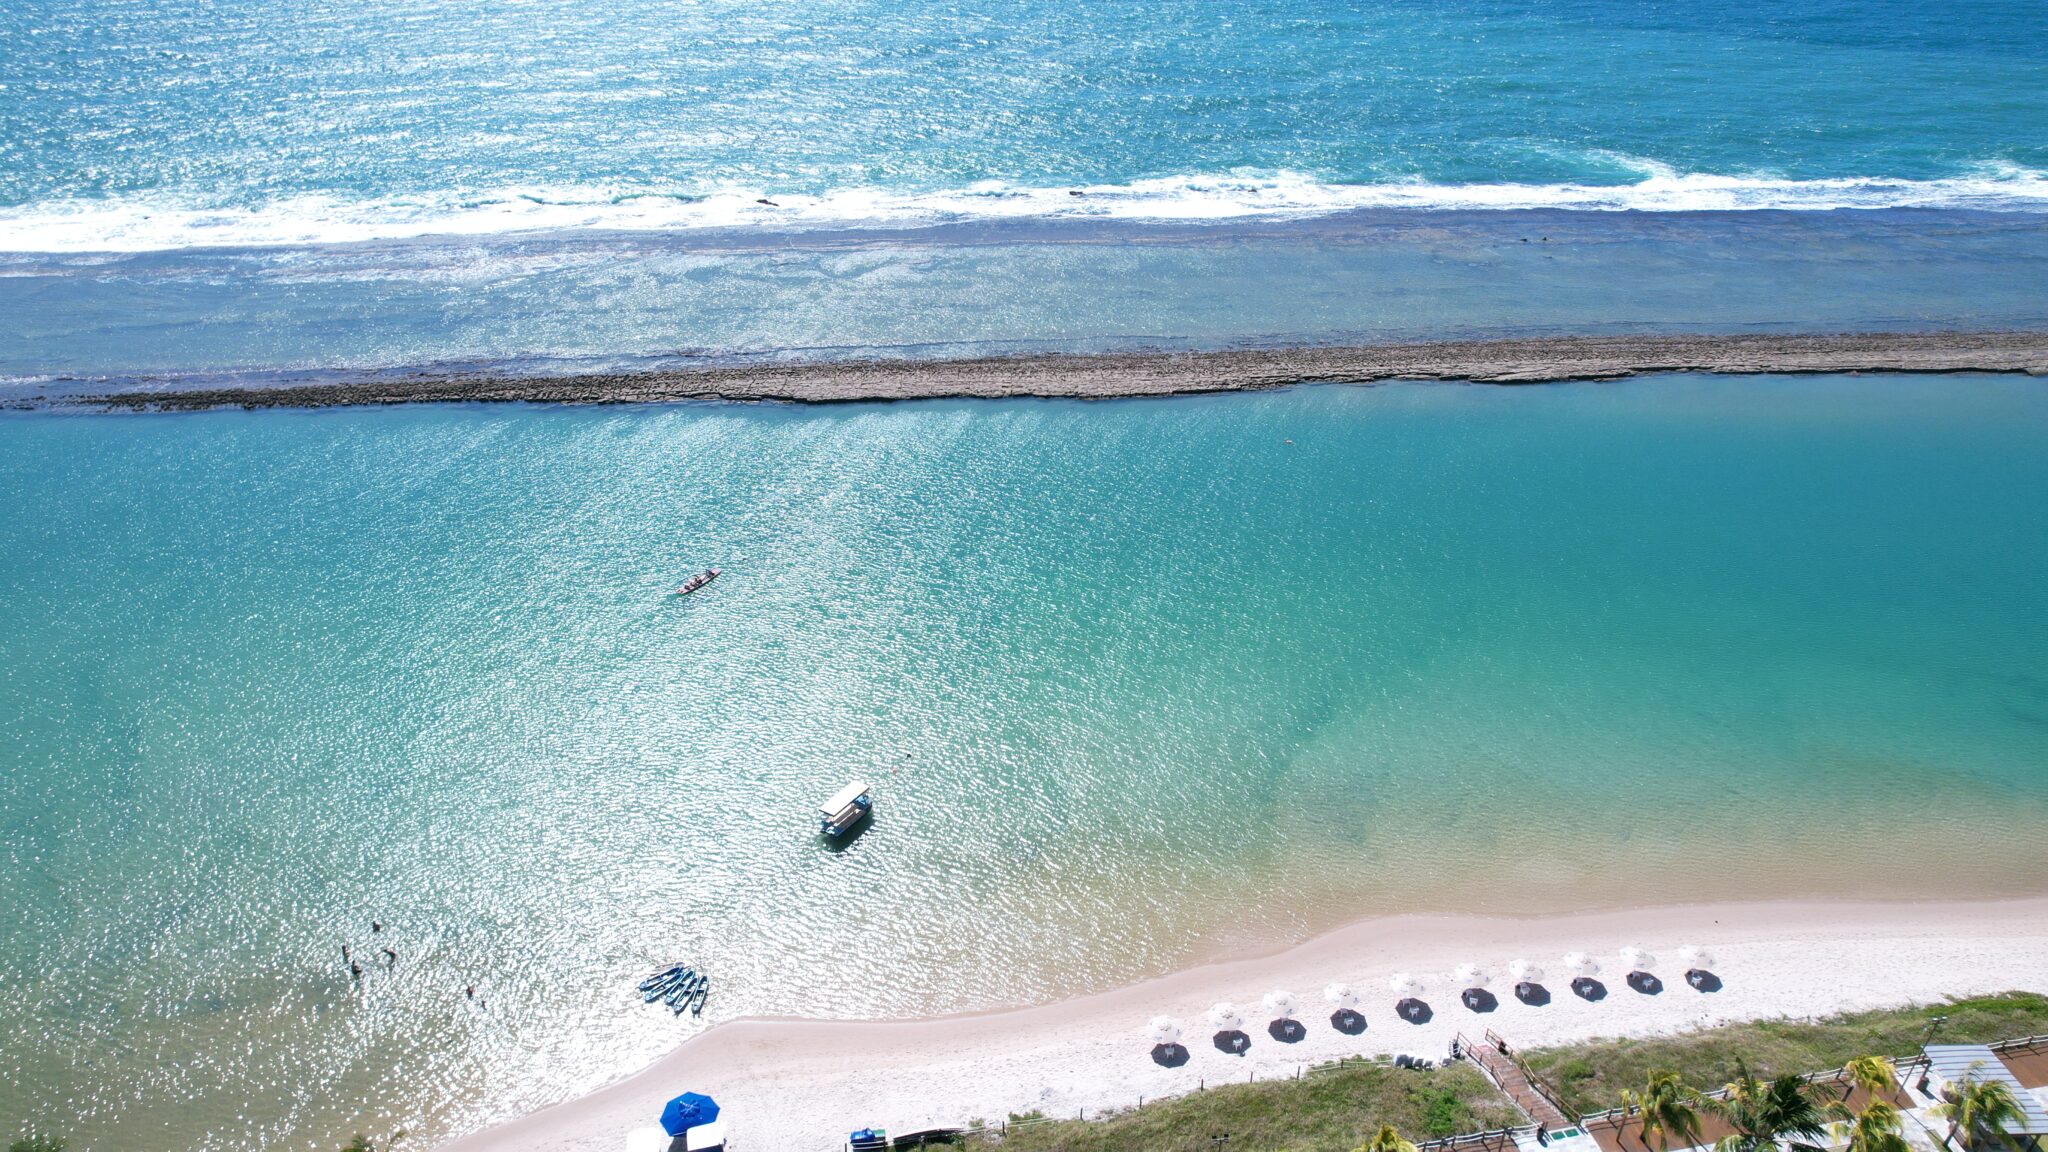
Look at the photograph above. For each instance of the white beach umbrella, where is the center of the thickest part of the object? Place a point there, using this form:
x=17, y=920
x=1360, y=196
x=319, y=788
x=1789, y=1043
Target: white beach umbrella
x=1225, y=1017
x=1695, y=956
x=1580, y=964
x=1636, y=959
x=1470, y=976
x=1282, y=1005
x=1523, y=970
x=1163, y=1030
x=1404, y=984
x=647, y=1140
x=1342, y=995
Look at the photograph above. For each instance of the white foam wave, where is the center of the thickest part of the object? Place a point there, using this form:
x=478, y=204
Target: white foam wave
x=141, y=225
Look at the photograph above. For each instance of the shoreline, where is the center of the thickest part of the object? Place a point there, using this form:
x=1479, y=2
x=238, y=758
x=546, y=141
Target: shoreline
x=1135, y=374
x=1799, y=958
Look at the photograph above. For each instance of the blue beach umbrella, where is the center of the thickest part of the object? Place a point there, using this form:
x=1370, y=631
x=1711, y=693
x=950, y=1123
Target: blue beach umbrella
x=687, y=1111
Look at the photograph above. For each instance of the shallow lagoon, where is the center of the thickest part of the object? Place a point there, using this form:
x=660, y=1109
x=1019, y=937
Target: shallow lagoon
x=1138, y=682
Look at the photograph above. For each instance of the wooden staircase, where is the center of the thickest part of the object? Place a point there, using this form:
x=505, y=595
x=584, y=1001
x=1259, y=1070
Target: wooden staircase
x=1506, y=1072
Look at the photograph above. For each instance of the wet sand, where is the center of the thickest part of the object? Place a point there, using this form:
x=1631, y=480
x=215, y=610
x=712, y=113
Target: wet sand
x=1106, y=376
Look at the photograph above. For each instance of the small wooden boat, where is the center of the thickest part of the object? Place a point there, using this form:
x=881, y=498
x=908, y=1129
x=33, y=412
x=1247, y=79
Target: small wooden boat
x=697, y=581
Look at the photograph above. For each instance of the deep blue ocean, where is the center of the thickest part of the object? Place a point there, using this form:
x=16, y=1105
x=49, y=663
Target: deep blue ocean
x=241, y=187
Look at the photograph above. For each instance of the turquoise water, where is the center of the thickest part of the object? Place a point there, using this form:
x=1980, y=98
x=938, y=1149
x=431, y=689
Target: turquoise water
x=1137, y=682
x=239, y=187
x=623, y=302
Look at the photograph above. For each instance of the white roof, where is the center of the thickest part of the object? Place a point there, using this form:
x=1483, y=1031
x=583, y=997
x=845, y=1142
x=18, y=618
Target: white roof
x=1955, y=1063
x=843, y=797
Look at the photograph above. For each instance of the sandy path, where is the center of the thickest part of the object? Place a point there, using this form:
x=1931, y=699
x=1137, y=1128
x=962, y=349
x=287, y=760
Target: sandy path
x=800, y=1085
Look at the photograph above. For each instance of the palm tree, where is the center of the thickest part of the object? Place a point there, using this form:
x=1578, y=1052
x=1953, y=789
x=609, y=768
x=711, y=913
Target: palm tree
x=1386, y=1140
x=1978, y=1111
x=1667, y=1110
x=1875, y=1129
x=1873, y=1074
x=1766, y=1113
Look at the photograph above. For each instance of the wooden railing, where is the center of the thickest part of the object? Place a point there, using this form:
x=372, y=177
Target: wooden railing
x=1492, y=1140
x=1530, y=1092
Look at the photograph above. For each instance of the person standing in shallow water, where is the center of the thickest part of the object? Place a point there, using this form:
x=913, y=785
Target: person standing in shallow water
x=390, y=957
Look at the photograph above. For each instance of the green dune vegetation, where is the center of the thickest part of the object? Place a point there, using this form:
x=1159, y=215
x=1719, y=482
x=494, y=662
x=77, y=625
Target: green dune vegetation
x=1592, y=1077
x=1374, y=1107
x=1337, y=1108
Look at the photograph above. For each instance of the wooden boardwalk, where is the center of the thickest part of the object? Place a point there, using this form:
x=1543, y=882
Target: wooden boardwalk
x=1507, y=1074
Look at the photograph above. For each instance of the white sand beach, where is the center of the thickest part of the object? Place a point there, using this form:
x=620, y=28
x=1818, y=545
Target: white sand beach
x=802, y=1084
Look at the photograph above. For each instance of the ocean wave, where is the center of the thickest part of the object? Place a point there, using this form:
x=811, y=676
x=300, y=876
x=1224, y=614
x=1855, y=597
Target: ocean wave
x=143, y=224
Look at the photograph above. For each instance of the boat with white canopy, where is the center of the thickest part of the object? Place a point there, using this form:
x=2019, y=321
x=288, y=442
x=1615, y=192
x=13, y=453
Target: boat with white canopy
x=846, y=809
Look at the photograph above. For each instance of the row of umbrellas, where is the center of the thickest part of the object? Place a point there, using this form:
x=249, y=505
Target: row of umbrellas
x=1633, y=959
x=1344, y=998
